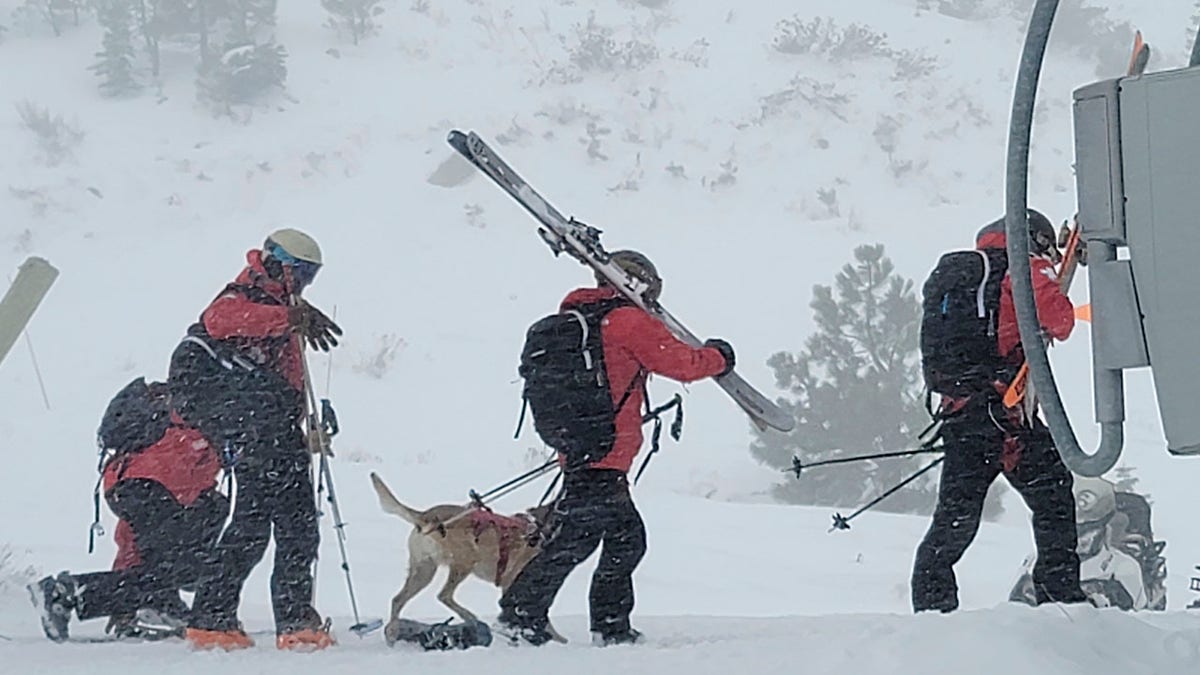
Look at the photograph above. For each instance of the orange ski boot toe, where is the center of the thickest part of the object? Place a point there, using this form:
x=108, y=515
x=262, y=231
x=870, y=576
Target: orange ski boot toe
x=229, y=640
x=307, y=640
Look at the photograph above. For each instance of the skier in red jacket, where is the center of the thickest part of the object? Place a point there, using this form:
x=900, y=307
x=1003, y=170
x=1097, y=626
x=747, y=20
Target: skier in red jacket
x=983, y=439
x=238, y=378
x=595, y=506
x=164, y=493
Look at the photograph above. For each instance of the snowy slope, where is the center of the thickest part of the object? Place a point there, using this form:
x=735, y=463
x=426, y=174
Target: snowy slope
x=346, y=157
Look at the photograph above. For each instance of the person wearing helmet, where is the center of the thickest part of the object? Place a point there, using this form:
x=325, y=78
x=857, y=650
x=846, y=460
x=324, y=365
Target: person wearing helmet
x=983, y=439
x=238, y=377
x=594, y=506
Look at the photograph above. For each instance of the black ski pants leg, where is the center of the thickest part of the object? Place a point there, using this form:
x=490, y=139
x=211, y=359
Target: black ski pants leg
x=973, y=443
x=594, y=508
x=175, y=544
x=274, y=494
x=1044, y=482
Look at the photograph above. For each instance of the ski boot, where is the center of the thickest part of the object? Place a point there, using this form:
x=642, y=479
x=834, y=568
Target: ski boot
x=54, y=598
x=228, y=640
x=314, y=635
x=629, y=636
x=518, y=634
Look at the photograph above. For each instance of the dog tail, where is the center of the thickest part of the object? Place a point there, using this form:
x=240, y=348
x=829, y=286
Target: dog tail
x=389, y=503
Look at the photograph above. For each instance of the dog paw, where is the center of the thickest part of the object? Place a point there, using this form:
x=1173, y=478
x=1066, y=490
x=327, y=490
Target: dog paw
x=391, y=632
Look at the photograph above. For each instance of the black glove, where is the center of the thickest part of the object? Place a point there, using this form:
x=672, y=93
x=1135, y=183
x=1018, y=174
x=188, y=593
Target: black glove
x=726, y=351
x=313, y=325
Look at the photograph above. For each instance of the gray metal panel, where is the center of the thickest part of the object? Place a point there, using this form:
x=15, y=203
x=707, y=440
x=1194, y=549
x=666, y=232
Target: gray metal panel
x=1098, y=179
x=1117, y=339
x=1161, y=166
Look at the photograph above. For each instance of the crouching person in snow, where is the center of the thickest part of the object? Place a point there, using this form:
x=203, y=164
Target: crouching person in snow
x=160, y=479
x=597, y=449
x=238, y=377
x=971, y=352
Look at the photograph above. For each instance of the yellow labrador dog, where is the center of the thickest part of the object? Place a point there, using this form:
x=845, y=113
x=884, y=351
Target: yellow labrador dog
x=466, y=539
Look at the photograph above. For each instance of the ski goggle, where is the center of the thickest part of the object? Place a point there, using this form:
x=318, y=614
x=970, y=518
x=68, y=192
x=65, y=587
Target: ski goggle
x=302, y=271
x=1045, y=244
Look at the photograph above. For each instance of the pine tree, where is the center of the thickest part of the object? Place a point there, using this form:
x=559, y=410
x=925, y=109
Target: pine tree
x=251, y=63
x=857, y=389
x=115, y=62
x=356, y=17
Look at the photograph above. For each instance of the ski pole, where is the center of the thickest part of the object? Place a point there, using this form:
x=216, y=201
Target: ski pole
x=515, y=482
x=509, y=487
x=798, y=465
x=841, y=522
x=317, y=434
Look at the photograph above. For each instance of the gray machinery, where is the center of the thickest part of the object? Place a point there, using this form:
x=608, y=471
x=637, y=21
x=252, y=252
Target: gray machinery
x=22, y=299
x=1137, y=149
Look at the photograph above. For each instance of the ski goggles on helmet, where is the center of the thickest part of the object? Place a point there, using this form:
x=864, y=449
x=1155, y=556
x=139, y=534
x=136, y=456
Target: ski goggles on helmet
x=301, y=272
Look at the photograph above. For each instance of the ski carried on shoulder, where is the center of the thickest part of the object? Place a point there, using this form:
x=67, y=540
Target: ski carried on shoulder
x=582, y=242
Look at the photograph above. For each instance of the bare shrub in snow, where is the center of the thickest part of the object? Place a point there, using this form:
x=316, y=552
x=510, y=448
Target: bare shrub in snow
x=820, y=96
x=855, y=42
x=56, y=138
x=633, y=179
x=474, y=213
x=695, y=54
x=379, y=361
x=726, y=175
x=968, y=10
x=13, y=574
x=824, y=37
x=596, y=49
x=594, y=140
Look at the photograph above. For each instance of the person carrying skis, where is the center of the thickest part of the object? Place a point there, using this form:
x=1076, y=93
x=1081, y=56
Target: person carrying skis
x=160, y=479
x=594, y=506
x=238, y=377
x=983, y=439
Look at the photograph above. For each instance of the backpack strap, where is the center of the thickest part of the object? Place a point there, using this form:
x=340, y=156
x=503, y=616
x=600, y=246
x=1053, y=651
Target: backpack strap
x=981, y=292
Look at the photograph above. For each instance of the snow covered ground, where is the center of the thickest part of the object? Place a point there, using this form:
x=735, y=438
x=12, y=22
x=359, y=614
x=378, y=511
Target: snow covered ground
x=151, y=215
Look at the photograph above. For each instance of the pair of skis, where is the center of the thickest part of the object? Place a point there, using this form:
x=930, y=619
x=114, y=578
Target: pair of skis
x=1019, y=392
x=582, y=242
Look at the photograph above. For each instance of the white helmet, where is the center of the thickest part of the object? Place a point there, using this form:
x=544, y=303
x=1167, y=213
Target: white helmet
x=1095, y=499
x=295, y=244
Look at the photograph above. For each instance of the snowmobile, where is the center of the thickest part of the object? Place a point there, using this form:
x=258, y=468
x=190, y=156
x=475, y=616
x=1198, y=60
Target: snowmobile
x=1121, y=565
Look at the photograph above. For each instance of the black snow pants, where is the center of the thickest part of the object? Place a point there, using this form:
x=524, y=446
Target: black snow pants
x=974, y=443
x=256, y=414
x=175, y=544
x=595, y=507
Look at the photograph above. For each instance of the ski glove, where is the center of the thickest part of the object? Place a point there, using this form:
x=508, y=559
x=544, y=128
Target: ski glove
x=313, y=325
x=726, y=351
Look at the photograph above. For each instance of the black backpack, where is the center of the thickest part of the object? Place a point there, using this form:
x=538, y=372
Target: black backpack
x=961, y=307
x=136, y=418
x=566, y=385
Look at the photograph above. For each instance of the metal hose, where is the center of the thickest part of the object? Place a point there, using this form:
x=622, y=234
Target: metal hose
x=1017, y=228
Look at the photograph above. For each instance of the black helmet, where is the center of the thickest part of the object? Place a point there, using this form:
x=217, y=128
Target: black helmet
x=639, y=266
x=1042, y=238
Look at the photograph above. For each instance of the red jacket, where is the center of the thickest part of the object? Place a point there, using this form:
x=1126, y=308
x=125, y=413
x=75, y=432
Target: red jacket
x=256, y=321
x=635, y=342
x=182, y=461
x=1056, y=314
